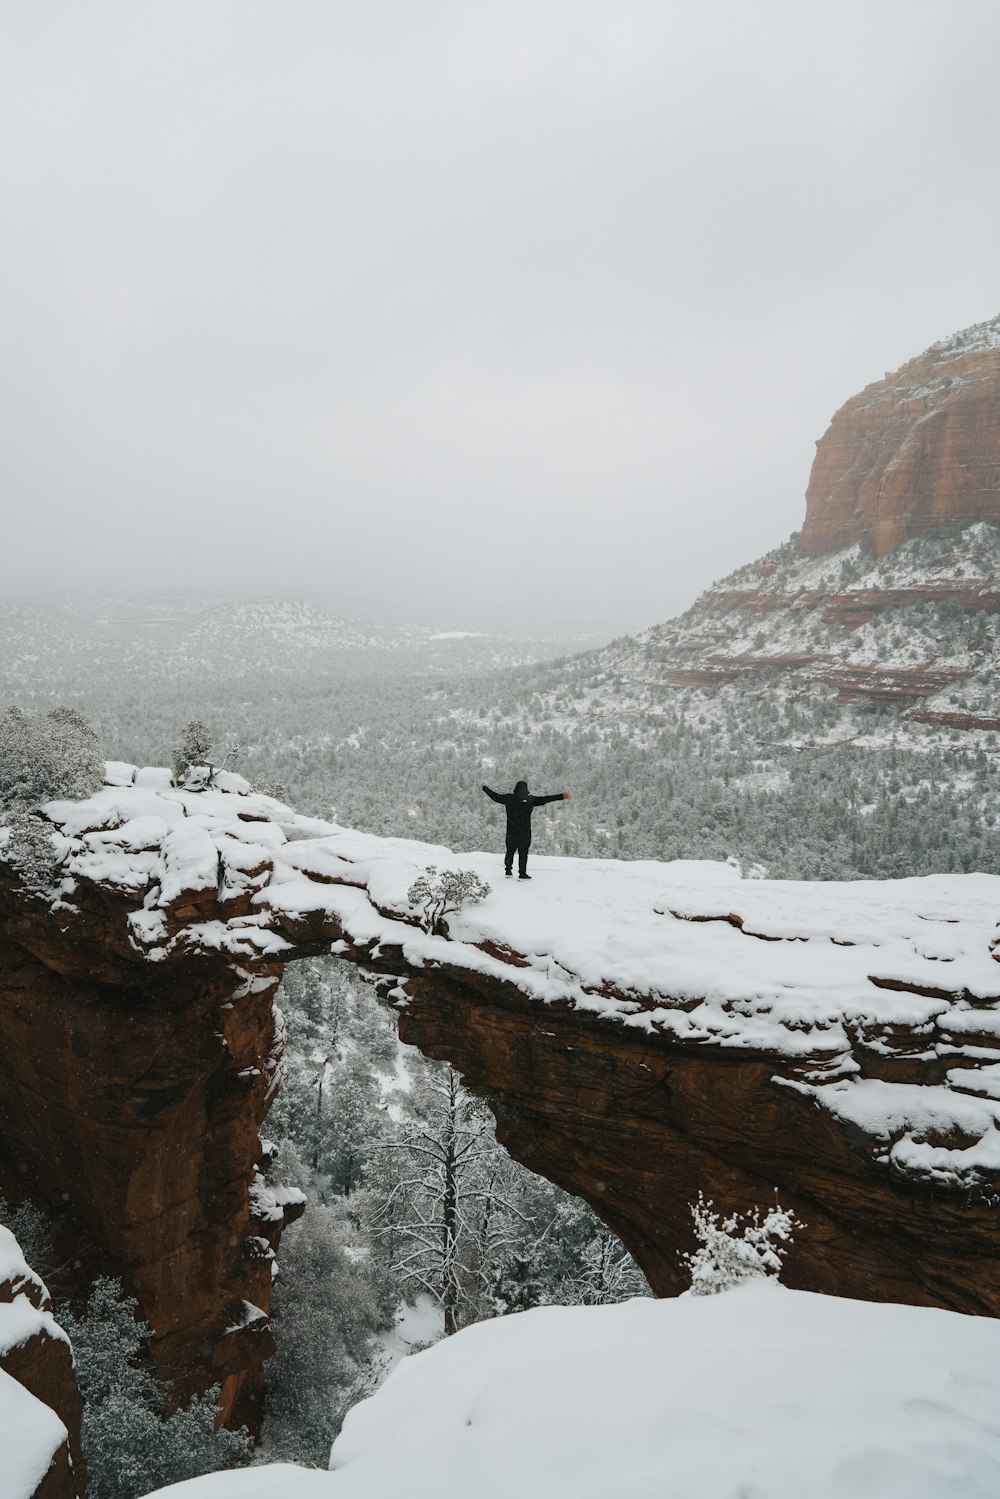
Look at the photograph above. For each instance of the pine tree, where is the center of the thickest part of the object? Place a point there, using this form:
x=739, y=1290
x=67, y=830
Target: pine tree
x=131, y=1442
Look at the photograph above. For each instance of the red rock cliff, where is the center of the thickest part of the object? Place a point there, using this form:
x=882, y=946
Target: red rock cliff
x=914, y=452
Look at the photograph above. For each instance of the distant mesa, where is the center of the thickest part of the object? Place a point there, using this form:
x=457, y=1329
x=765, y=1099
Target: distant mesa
x=877, y=598
x=917, y=451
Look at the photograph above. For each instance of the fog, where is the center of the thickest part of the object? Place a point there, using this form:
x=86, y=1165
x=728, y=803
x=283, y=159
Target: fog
x=482, y=308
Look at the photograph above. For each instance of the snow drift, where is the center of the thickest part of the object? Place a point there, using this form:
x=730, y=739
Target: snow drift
x=761, y=1393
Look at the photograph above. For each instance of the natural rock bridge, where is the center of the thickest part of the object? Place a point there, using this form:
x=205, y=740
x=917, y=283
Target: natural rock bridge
x=641, y=1031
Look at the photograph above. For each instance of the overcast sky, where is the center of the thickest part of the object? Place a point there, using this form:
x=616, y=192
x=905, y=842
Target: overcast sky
x=469, y=305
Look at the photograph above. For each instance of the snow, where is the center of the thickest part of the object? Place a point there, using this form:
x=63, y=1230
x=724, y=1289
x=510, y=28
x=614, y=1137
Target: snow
x=757, y=1393
x=978, y=337
x=268, y=1204
x=190, y=862
x=818, y=977
x=25, y=1315
x=415, y=1326
x=119, y=773
x=21, y=1320
x=154, y=778
x=30, y=1433
x=30, y=1436
x=14, y=1268
x=271, y=1481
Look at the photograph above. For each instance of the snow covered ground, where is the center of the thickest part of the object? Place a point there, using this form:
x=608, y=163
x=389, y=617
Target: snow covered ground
x=415, y=1326
x=757, y=1393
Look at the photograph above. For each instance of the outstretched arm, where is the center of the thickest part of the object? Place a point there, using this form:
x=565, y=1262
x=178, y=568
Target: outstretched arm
x=557, y=796
x=493, y=795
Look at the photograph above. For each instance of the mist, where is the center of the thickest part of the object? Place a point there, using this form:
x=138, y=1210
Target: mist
x=465, y=309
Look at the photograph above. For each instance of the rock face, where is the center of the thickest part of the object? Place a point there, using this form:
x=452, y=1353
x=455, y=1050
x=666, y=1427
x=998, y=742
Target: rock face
x=133, y=1099
x=641, y=1031
x=918, y=451
x=40, y=1407
x=147, y=1093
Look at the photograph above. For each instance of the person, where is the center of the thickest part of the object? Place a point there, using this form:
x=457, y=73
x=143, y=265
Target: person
x=520, y=804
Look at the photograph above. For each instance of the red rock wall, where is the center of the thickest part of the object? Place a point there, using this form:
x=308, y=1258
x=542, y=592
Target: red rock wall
x=133, y=1112
x=639, y=1128
x=912, y=453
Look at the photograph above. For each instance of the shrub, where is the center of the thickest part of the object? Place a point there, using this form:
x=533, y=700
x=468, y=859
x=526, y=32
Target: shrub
x=738, y=1248
x=192, y=762
x=30, y=850
x=437, y=894
x=43, y=757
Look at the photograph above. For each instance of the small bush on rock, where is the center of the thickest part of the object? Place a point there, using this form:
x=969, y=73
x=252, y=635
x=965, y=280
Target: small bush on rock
x=435, y=895
x=193, y=763
x=30, y=849
x=738, y=1248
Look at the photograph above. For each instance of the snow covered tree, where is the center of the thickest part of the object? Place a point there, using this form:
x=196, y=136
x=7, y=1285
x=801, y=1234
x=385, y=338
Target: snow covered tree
x=193, y=762
x=194, y=749
x=30, y=848
x=43, y=757
x=132, y=1444
x=444, y=1202
x=438, y=894
x=330, y=1110
x=47, y=757
x=560, y=1253
x=330, y=1302
x=738, y=1248
x=608, y=1272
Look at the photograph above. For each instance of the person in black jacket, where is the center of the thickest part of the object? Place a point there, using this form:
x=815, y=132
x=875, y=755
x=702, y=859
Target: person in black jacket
x=520, y=804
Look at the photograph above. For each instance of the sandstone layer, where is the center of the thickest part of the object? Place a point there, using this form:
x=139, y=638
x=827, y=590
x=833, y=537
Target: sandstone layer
x=642, y=1033
x=915, y=452
x=915, y=633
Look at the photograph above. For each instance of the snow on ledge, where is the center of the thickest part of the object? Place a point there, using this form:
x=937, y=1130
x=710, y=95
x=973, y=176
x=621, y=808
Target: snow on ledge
x=837, y=983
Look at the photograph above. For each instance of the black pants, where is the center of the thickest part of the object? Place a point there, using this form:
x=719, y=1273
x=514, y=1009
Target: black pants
x=517, y=844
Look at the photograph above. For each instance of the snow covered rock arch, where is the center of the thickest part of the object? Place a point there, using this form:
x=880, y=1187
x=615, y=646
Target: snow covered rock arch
x=642, y=1031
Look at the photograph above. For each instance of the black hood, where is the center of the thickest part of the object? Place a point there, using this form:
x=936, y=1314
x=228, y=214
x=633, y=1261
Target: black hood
x=521, y=791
